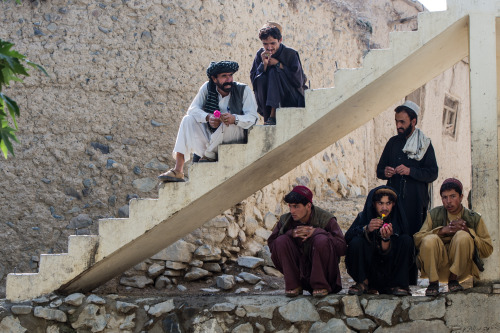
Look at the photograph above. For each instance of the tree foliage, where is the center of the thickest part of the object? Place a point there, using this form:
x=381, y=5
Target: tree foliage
x=12, y=68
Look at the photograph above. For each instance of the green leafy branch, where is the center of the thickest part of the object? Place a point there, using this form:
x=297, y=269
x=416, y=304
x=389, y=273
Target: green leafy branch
x=11, y=69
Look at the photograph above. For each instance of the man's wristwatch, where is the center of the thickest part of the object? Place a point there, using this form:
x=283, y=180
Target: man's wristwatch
x=385, y=240
x=278, y=64
x=236, y=120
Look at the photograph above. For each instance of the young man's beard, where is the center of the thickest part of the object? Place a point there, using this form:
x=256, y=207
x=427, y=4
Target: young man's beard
x=406, y=132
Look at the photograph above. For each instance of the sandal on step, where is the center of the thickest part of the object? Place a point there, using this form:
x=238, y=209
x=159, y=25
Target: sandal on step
x=454, y=286
x=270, y=121
x=357, y=289
x=432, y=289
x=320, y=292
x=172, y=176
x=398, y=291
x=207, y=159
x=293, y=292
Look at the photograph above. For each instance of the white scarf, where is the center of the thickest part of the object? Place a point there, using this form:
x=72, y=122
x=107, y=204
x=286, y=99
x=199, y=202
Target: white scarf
x=416, y=145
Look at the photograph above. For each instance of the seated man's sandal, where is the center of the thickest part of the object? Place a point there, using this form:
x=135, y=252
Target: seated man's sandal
x=172, y=176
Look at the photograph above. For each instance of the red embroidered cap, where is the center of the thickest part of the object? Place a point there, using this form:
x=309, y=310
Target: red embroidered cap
x=304, y=191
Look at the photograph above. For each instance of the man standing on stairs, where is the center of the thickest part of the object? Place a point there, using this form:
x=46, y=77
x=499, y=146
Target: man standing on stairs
x=409, y=164
x=306, y=246
x=277, y=76
x=220, y=113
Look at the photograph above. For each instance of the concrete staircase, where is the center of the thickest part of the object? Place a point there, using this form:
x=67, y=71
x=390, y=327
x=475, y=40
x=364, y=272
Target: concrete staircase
x=359, y=95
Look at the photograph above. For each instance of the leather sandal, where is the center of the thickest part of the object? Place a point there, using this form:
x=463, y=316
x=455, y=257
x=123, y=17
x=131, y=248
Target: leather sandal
x=320, y=292
x=432, y=289
x=293, y=292
x=357, y=289
x=454, y=286
x=398, y=291
x=270, y=121
x=207, y=159
x=172, y=176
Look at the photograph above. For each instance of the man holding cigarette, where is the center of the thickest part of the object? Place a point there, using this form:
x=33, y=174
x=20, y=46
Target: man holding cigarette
x=203, y=129
x=277, y=76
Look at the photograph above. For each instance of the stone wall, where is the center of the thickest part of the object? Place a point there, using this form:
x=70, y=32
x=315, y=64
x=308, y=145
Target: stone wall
x=98, y=131
x=464, y=312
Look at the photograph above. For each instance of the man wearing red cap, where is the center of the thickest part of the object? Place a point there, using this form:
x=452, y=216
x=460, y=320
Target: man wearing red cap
x=448, y=240
x=306, y=246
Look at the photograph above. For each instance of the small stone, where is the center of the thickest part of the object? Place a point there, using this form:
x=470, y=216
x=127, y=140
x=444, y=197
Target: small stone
x=352, y=308
x=250, y=262
x=175, y=265
x=327, y=309
x=223, y=307
x=21, y=309
x=145, y=184
x=154, y=164
x=56, y=303
x=207, y=252
x=299, y=310
x=50, y=314
x=272, y=271
x=125, y=307
x=105, y=30
x=136, y=281
x=157, y=124
x=46, y=180
x=162, y=281
x=80, y=221
x=12, y=325
x=241, y=290
x=112, y=200
x=161, y=308
x=132, y=196
x=364, y=324
x=225, y=281
x=137, y=170
x=180, y=287
x=94, y=299
x=104, y=149
x=243, y=328
x=38, y=32
x=123, y=211
x=52, y=27
x=250, y=278
x=155, y=269
x=108, y=137
x=196, y=273
x=240, y=312
x=212, y=267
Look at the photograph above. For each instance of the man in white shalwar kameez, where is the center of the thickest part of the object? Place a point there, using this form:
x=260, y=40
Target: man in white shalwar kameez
x=201, y=130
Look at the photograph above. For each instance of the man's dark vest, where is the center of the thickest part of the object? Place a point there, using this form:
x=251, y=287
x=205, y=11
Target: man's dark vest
x=319, y=219
x=439, y=216
x=235, y=104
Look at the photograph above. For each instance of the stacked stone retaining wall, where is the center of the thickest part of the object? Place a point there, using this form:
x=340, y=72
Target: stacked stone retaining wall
x=476, y=310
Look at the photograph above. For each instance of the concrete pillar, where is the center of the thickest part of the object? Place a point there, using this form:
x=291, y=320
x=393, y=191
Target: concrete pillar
x=484, y=129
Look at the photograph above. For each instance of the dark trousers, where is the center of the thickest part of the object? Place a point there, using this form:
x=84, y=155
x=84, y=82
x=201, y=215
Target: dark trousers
x=383, y=271
x=318, y=270
x=273, y=89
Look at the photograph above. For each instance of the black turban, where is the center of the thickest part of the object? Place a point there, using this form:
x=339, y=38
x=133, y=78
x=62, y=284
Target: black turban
x=212, y=100
x=222, y=67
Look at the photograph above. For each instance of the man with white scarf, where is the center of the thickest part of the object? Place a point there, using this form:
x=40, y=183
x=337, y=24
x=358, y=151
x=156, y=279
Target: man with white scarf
x=409, y=164
x=220, y=113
